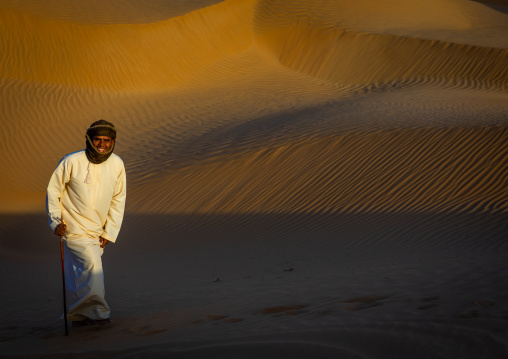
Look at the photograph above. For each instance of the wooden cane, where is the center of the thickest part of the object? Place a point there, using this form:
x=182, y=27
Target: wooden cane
x=63, y=283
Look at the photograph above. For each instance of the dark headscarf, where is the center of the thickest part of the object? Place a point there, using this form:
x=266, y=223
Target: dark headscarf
x=99, y=128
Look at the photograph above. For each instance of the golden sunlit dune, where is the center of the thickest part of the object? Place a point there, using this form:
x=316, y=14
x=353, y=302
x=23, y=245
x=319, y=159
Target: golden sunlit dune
x=399, y=170
x=108, y=12
x=407, y=48
x=344, y=162
x=120, y=56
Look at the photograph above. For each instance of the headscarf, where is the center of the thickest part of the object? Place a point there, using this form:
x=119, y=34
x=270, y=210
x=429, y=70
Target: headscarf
x=99, y=128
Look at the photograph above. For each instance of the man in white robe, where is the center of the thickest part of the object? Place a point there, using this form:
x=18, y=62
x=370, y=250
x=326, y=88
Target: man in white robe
x=85, y=204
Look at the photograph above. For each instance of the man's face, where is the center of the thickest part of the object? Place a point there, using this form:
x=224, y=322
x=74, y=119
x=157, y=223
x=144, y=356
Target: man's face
x=102, y=143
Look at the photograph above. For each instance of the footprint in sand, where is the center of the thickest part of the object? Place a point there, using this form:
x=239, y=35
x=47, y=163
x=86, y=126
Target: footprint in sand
x=325, y=313
x=10, y=327
x=471, y=313
x=8, y=336
x=216, y=317
x=484, y=303
x=153, y=331
x=4, y=338
x=144, y=330
x=294, y=309
x=428, y=304
x=361, y=303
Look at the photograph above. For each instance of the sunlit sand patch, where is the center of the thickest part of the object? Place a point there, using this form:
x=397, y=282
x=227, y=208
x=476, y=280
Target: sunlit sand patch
x=122, y=62
x=411, y=51
x=108, y=12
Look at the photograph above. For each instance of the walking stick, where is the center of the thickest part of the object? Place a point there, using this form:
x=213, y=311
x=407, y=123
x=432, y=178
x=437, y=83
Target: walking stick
x=63, y=283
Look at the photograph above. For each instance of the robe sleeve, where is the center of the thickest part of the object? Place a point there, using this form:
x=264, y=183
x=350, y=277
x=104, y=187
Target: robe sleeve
x=116, y=209
x=61, y=176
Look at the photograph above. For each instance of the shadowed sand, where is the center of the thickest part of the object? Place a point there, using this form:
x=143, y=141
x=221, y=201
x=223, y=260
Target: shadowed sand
x=305, y=178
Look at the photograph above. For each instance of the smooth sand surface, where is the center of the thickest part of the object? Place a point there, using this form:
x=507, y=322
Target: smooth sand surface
x=322, y=179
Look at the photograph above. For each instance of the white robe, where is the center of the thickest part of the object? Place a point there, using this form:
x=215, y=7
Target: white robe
x=90, y=200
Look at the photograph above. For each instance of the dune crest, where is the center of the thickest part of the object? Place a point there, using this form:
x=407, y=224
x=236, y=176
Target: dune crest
x=107, y=12
x=321, y=39
x=340, y=52
x=121, y=56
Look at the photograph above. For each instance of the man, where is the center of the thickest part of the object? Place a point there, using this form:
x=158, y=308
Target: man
x=85, y=204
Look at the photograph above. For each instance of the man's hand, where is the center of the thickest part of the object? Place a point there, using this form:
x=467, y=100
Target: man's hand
x=103, y=242
x=60, y=230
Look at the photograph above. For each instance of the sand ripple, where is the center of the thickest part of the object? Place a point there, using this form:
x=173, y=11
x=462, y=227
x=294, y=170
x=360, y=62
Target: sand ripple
x=406, y=170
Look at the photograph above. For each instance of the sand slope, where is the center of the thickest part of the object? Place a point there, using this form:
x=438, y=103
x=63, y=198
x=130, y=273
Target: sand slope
x=312, y=178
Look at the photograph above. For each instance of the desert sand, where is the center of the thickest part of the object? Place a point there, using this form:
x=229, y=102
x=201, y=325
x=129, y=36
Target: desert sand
x=309, y=179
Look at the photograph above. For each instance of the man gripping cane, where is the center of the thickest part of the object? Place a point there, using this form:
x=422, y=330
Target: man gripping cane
x=87, y=190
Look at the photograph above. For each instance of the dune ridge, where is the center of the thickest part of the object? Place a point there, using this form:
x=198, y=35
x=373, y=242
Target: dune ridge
x=334, y=52
x=121, y=56
x=398, y=60
x=88, y=55
x=107, y=12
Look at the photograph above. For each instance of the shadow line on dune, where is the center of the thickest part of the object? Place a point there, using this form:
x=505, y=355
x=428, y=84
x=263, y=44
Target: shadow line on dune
x=347, y=232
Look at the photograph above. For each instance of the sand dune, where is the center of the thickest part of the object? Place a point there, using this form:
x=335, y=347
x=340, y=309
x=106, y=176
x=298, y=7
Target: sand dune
x=409, y=44
x=120, y=56
x=345, y=161
x=328, y=44
x=108, y=12
x=407, y=170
